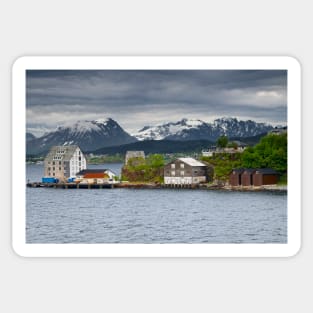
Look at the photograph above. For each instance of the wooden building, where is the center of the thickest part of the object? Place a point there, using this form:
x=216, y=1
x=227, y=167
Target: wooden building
x=96, y=176
x=247, y=177
x=235, y=177
x=253, y=177
x=185, y=171
x=265, y=176
x=63, y=162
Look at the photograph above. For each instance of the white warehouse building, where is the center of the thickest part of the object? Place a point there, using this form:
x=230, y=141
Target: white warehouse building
x=63, y=162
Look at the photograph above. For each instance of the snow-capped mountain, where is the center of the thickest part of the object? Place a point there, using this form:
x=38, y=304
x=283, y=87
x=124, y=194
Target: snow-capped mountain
x=89, y=135
x=189, y=129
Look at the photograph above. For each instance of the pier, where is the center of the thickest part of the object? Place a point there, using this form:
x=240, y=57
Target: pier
x=129, y=185
x=69, y=185
x=110, y=186
x=61, y=185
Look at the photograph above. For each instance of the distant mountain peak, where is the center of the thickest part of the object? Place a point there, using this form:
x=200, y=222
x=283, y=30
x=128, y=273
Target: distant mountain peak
x=103, y=120
x=196, y=129
x=88, y=134
x=169, y=130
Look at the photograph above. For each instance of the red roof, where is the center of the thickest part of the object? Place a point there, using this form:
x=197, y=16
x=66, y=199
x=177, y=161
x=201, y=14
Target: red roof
x=96, y=175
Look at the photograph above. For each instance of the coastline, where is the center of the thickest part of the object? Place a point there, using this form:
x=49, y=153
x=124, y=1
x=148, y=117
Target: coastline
x=142, y=185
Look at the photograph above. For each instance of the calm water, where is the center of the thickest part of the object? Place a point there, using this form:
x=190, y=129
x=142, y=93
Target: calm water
x=152, y=216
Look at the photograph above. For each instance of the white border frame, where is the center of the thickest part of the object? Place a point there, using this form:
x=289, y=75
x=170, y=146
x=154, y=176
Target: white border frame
x=156, y=250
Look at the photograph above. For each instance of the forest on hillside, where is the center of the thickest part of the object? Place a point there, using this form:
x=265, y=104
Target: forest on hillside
x=270, y=152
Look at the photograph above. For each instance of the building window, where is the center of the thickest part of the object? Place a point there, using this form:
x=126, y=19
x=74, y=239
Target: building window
x=182, y=173
x=173, y=173
x=173, y=165
x=60, y=169
x=49, y=168
x=53, y=163
x=182, y=165
x=60, y=162
x=53, y=168
x=53, y=174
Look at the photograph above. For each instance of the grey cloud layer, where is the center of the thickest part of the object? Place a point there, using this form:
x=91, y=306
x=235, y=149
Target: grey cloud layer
x=137, y=98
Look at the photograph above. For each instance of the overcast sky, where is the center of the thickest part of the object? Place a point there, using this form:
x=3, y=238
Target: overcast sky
x=139, y=98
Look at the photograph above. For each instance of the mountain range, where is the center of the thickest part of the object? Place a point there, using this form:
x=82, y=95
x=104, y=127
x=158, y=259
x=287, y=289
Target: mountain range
x=103, y=133
x=188, y=129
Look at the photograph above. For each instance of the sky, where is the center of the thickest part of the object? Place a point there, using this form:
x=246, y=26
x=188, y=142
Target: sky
x=137, y=98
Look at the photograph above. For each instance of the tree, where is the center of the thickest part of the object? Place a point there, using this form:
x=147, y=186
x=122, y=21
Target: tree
x=270, y=152
x=222, y=142
x=155, y=160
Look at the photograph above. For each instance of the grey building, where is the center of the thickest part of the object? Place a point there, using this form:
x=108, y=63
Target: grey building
x=185, y=171
x=64, y=161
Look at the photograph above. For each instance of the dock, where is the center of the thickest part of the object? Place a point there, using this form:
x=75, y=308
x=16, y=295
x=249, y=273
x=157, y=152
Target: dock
x=93, y=185
x=129, y=185
x=72, y=185
x=69, y=185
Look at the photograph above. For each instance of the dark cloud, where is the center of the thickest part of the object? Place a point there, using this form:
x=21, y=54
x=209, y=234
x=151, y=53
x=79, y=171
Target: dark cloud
x=137, y=98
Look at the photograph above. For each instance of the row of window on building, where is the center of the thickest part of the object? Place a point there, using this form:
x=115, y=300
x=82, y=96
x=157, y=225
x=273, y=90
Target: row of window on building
x=173, y=165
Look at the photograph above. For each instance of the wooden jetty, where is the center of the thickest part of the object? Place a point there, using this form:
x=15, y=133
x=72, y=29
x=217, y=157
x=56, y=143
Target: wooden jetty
x=65, y=185
x=70, y=185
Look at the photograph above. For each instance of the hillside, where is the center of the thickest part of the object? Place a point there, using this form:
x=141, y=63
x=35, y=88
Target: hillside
x=158, y=146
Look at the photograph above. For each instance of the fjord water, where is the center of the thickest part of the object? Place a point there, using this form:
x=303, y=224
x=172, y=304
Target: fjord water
x=152, y=216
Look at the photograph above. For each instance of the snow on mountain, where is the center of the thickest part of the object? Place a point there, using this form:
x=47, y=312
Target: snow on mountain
x=165, y=131
x=100, y=133
x=80, y=128
x=89, y=135
x=189, y=129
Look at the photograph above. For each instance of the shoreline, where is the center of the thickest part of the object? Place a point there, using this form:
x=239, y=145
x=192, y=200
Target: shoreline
x=140, y=185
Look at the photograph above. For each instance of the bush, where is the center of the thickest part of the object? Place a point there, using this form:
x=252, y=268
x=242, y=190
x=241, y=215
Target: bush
x=144, y=170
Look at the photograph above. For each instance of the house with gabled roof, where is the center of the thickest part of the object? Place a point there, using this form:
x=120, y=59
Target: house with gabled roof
x=63, y=162
x=185, y=171
x=96, y=176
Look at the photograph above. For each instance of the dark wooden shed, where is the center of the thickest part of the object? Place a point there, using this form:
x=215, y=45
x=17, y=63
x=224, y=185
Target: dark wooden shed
x=235, y=177
x=265, y=176
x=247, y=177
